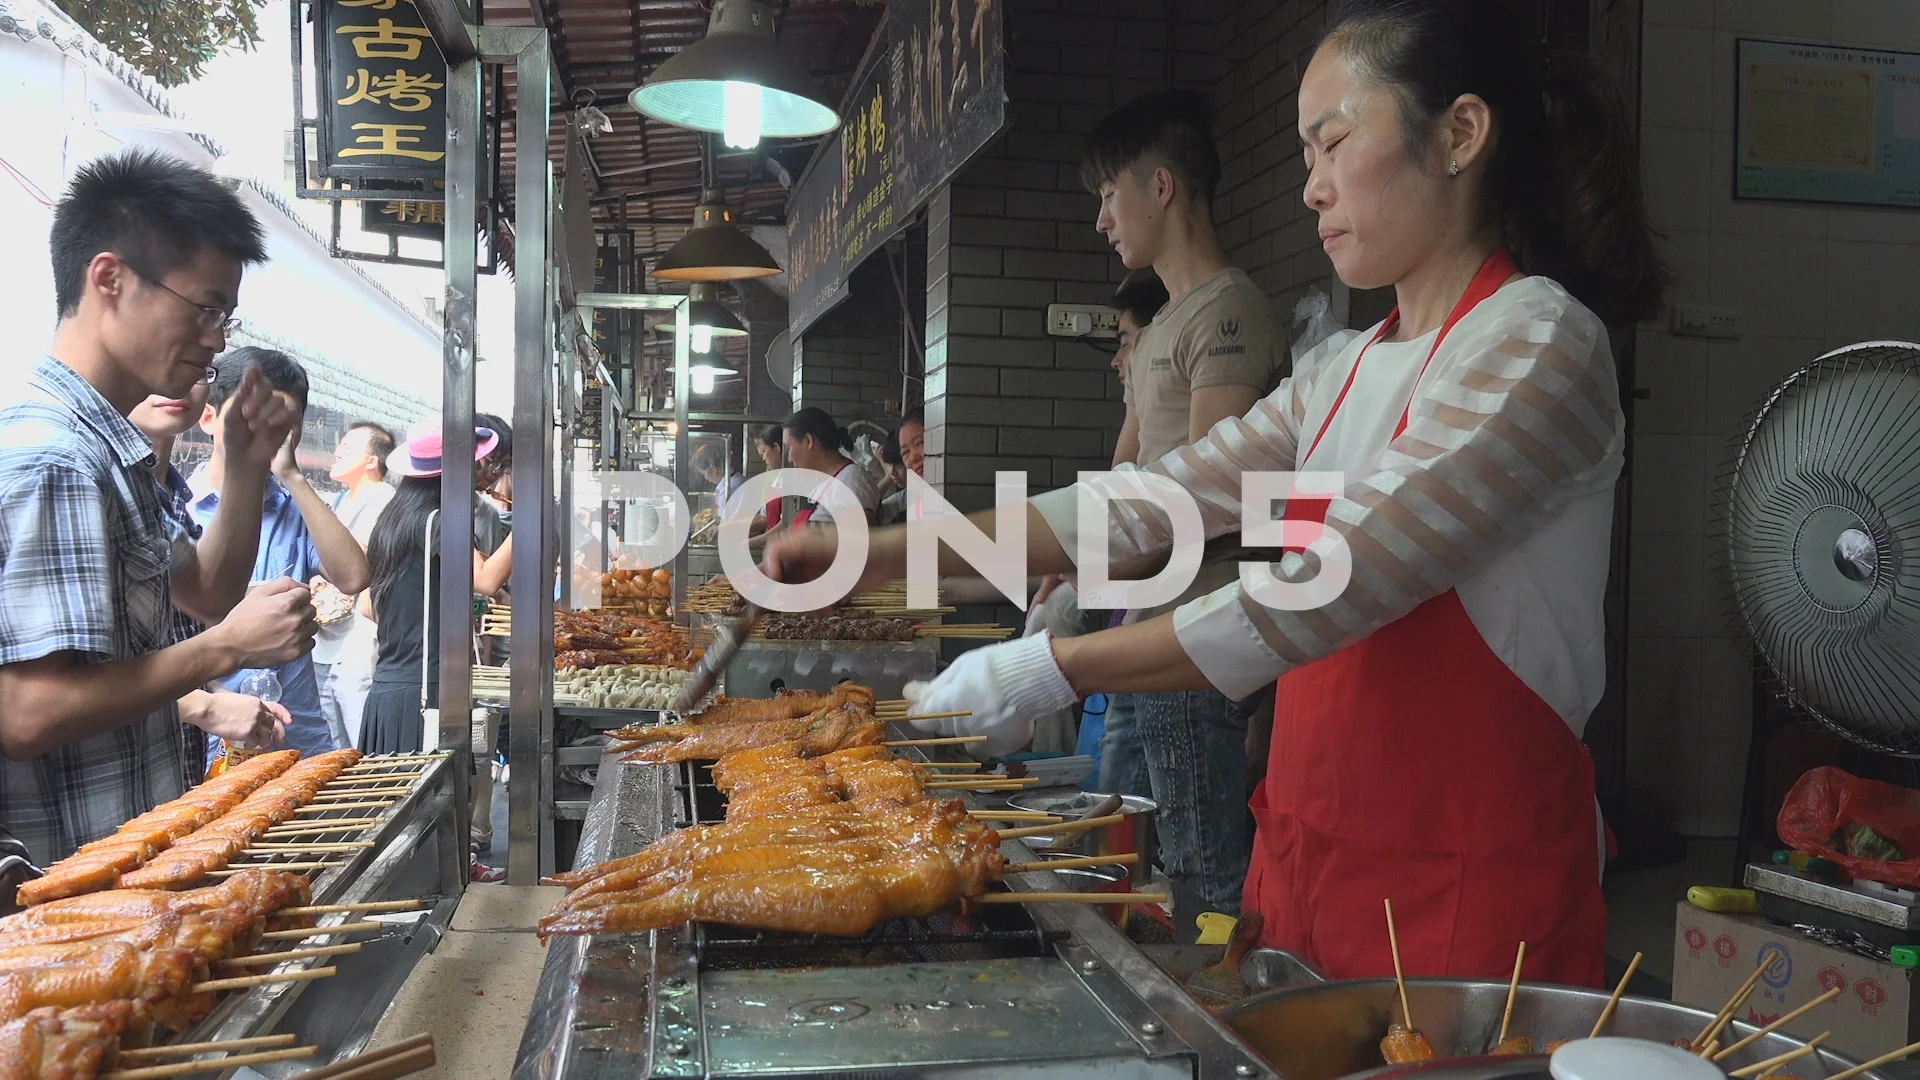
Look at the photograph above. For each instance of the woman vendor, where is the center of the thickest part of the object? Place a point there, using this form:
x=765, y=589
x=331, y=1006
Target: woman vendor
x=1426, y=734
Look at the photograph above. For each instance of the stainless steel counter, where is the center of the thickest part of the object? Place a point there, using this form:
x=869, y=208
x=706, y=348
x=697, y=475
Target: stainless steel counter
x=1038, y=990
x=416, y=853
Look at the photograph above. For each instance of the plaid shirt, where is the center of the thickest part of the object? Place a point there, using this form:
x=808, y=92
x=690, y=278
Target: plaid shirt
x=86, y=557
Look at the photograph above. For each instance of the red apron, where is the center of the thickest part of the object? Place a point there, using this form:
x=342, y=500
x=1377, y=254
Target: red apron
x=1415, y=765
x=801, y=517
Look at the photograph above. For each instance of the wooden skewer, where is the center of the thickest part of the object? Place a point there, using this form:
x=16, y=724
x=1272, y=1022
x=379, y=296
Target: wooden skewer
x=188, y=1068
x=1720, y=1018
x=258, y=1042
x=1777, y=1060
x=1513, y=989
x=934, y=715
x=1065, y=826
x=282, y=956
x=245, y=982
x=311, y=847
x=359, y=793
x=1014, y=815
x=1707, y=1050
x=951, y=740
x=311, y=827
x=1127, y=858
x=328, y=808
x=1883, y=1059
x=1778, y=1024
x=1613, y=1002
x=1400, y=980
x=981, y=784
x=336, y=909
x=240, y=868
x=320, y=931
x=381, y=778
x=400, y=1059
x=1071, y=898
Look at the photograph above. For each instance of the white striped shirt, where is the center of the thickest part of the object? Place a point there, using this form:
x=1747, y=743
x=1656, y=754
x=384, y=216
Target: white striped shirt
x=1501, y=488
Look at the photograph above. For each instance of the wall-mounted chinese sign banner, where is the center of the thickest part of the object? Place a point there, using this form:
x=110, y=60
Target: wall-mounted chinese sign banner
x=930, y=94
x=382, y=92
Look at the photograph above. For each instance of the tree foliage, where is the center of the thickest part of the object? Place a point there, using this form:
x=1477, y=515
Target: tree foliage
x=171, y=40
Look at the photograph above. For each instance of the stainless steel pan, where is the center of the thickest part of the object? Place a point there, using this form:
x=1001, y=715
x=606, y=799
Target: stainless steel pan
x=1326, y=1030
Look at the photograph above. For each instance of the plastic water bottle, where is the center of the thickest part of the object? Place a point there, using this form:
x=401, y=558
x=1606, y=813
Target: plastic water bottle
x=262, y=683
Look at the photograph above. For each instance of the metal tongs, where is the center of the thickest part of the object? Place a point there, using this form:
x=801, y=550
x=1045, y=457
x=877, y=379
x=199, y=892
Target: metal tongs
x=727, y=637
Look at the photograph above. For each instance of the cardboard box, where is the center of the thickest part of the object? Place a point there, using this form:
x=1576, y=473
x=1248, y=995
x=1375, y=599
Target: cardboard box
x=1713, y=954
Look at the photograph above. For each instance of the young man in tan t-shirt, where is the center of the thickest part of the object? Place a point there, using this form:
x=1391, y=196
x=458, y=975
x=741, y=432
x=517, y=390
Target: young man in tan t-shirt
x=1210, y=353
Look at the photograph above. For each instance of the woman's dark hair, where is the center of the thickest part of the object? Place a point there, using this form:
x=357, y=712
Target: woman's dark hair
x=771, y=435
x=1140, y=295
x=890, y=449
x=501, y=455
x=1563, y=178
x=814, y=421
x=710, y=455
x=400, y=531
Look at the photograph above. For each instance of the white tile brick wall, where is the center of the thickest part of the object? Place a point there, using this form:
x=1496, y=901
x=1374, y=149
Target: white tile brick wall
x=1804, y=278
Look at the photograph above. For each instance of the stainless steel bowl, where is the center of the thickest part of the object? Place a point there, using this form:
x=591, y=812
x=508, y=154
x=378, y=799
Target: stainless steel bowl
x=1332, y=1030
x=1135, y=834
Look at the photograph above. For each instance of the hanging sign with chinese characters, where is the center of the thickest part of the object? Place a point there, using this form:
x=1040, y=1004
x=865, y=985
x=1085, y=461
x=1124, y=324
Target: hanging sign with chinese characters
x=383, y=84
x=930, y=94
x=405, y=217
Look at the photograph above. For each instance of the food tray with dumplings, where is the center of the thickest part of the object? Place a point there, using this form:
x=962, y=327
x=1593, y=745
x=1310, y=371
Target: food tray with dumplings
x=797, y=884
x=252, y=922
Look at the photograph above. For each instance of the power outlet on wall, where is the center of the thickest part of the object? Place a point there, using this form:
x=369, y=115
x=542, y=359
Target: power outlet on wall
x=1082, y=321
x=1699, y=320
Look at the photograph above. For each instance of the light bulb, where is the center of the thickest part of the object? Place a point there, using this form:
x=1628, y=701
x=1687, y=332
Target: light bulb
x=740, y=114
x=702, y=338
x=702, y=380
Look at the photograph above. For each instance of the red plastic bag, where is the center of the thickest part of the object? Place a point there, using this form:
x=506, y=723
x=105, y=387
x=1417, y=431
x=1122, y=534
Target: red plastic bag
x=1826, y=800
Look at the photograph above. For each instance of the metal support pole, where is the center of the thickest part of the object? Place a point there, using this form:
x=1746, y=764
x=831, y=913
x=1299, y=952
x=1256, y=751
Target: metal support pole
x=682, y=405
x=530, y=716
x=465, y=137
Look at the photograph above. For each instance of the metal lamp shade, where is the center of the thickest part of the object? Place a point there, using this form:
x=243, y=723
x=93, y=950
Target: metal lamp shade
x=689, y=90
x=707, y=310
x=715, y=250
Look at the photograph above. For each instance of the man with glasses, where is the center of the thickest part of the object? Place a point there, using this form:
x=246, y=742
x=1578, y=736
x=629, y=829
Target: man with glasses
x=147, y=258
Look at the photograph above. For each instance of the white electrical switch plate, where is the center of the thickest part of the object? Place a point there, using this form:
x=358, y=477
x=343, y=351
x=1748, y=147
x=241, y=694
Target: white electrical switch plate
x=1082, y=321
x=1699, y=320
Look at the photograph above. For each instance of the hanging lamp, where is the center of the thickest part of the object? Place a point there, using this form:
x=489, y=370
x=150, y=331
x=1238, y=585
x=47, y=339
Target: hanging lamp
x=737, y=82
x=715, y=250
x=709, y=318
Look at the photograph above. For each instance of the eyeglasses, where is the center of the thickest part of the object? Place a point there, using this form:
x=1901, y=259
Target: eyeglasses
x=211, y=318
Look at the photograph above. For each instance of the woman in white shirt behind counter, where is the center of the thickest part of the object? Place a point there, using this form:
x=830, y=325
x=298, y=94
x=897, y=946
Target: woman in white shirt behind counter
x=814, y=441
x=1426, y=735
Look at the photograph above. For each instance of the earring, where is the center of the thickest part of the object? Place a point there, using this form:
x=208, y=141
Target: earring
x=1453, y=167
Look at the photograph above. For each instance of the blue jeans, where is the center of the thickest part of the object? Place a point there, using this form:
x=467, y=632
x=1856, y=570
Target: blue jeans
x=1123, y=767
x=1195, y=748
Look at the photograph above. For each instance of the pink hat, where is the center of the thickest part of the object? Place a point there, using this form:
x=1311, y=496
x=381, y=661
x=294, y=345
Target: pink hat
x=421, y=454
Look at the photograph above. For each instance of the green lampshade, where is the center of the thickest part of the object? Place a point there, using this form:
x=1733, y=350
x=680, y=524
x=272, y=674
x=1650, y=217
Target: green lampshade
x=690, y=90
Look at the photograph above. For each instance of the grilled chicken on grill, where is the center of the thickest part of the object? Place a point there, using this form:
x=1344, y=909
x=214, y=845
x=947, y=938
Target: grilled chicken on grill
x=824, y=732
x=69, y=1044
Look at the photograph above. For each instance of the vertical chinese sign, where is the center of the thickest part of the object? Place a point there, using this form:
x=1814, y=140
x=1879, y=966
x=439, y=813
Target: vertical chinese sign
x=930, y=95
x=383, y=110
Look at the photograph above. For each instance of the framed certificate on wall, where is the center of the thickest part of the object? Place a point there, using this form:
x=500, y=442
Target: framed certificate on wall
x=1826, y=123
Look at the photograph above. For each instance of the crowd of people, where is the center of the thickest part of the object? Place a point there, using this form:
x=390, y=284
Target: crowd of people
x=157, y=625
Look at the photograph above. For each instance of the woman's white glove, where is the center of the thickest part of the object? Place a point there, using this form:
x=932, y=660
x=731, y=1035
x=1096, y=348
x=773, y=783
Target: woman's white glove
x=1004, y=687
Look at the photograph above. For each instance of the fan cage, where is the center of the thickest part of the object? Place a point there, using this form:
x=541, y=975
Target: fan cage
x=1900, y=739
